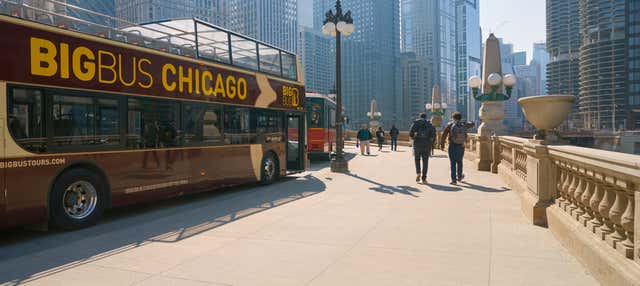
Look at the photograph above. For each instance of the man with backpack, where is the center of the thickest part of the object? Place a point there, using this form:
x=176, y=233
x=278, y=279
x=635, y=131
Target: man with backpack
x=456, y=133
x=393, y=133
x=423, y=135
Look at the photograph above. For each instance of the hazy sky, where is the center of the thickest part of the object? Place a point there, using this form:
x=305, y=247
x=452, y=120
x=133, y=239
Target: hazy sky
x=520, y=22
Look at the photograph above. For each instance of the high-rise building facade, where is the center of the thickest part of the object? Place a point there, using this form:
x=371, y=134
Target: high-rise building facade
x=633, y=62
x=602, y=63
x=541, y=59
x=416, y=87
x=563, y=45
x=429, y=31
x=469, y=63
x=519, y=58
x=370, y=58
x=317, y=52
x=607, y=86
x=103, y=7
x=513, y=115
x=272, y=21
x=145, y=11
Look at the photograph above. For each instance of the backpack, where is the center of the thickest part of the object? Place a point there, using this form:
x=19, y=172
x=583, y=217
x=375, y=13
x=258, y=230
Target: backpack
x=423, y=131
x=458, y=133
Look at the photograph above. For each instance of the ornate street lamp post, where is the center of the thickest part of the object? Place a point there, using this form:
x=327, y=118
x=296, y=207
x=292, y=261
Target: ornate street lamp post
x=374, y=116
x=489, y=89
x=492, y=111
x=338, y=24
x=436, y=108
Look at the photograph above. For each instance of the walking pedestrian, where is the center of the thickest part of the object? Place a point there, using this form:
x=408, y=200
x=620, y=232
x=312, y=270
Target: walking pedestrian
x=393, y=133
x=456, y=133
x=364, y=136
x=423, y=133
x=380, y=137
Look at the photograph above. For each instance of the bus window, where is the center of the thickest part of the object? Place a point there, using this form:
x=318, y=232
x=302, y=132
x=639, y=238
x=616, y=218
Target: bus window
x=153, y=124
x=289, y=66
x=237, y=126
x=82, y=121
x=25, y=119
x=315, y=115
x=201, y=124
x=269, y=126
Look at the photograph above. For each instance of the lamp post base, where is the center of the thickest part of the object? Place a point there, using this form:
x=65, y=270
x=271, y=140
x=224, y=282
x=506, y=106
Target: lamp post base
x=339, y=165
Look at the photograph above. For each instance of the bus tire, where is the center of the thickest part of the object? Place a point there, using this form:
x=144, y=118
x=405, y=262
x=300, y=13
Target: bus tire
x=269, y=169
x=77, y=200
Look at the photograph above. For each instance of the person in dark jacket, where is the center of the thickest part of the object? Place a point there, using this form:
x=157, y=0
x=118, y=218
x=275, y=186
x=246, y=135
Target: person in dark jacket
x=364, y=136
x=423, y=134
x=380, y=138
x=456, y=134
x=393, y=133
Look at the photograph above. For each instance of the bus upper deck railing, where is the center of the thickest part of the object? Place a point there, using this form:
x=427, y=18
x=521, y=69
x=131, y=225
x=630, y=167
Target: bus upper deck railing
x=185, y=37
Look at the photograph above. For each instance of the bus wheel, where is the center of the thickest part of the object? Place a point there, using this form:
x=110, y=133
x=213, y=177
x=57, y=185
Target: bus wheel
x=269, y=169
x=77, y=199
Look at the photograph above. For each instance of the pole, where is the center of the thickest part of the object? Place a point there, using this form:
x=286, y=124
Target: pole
x=338, y=163
x=339, y=118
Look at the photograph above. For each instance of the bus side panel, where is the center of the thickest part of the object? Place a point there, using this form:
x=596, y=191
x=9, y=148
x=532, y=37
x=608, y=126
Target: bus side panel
x=143, y=175
x=28, y=182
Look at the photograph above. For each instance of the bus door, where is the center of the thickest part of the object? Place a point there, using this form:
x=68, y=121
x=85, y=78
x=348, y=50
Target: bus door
x=295, y=142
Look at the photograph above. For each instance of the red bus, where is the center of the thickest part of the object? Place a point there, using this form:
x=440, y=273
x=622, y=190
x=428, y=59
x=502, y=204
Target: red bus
x=321, y=122
x=96, y=117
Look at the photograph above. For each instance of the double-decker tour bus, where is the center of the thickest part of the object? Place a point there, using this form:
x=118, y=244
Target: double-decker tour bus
x=321, y=124
x=95, y=117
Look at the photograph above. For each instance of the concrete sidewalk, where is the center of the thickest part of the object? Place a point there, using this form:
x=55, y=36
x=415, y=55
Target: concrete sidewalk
x=373, y=227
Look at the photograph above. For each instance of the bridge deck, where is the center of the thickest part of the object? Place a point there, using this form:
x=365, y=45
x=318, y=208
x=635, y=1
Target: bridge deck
x=374, y=227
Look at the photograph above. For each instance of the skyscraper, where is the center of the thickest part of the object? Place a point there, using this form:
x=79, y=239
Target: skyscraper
x=318, y=60
x=370, y=58
x=609, y=86
x=519, y=58
x=469, y=63
x=144, y=11
x=416, y=79
x=272, y=21
x=429, y=32
x=563, y=44
x=513, y=116
x=541, y=59
x=633, y=62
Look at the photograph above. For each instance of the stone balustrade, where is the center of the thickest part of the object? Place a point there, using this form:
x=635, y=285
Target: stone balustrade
x=598, y=190
x=586, y=197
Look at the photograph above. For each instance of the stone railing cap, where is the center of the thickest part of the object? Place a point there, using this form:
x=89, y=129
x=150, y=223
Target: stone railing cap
x=627, y=165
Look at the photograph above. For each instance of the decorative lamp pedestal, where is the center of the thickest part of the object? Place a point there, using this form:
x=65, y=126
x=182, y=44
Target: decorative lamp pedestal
x=492, y=114
x=339, y=165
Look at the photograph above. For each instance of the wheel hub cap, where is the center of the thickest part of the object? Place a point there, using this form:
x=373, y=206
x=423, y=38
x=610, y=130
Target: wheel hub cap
x=80, y=200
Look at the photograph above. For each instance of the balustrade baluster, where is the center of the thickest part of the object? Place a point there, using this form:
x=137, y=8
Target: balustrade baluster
x=577, y=195
x=560, y=195
x=618, y=208
x=598, y=197
x=603, y=210
x=586, y=201
x=627, y=222
x=572, y=190
x=566, y=186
